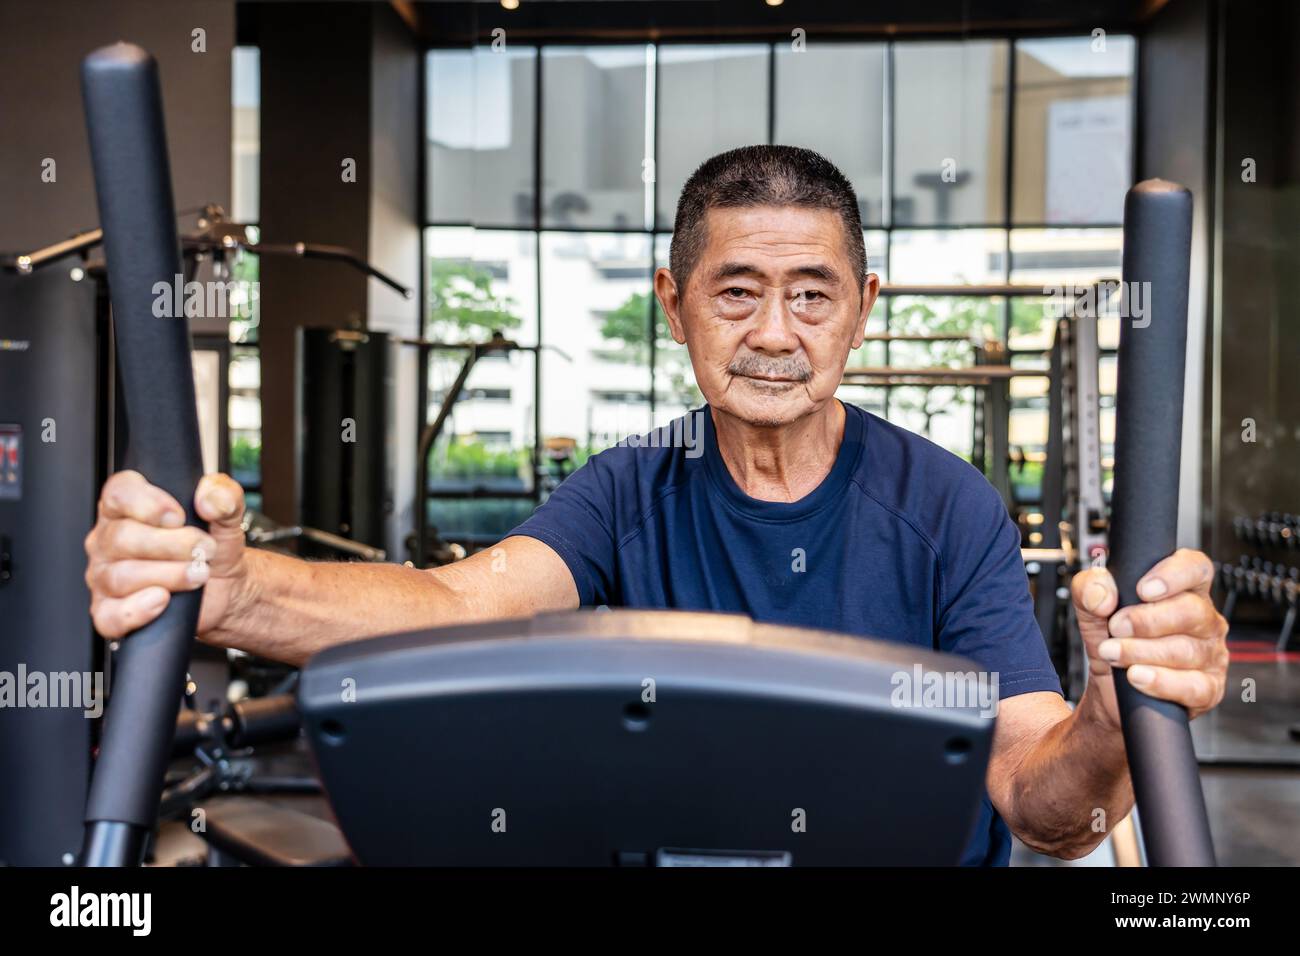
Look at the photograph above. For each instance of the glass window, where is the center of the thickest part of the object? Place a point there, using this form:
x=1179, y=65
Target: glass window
x=920, y=129
x=1065, y=257
x=1027, y=431
x=244, y=373
x=675, y=388
x=1073, y=135
x=949, y=132
x=597, y=145
x=246, y=132
x=941, y=413
x=876, y=242
x=479, y=282
x=710, y=99
x=934, y=256
x=830, y=97
x=869, y=397
x=595, y=308
x=1033, y=324
x=244, y=415
x=961, y=322
x=481, y=121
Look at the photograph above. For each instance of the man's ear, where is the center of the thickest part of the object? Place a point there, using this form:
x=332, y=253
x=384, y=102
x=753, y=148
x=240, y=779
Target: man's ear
x=667, y=294
x=870, y=289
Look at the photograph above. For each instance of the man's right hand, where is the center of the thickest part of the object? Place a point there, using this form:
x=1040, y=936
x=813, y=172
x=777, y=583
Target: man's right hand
x=140, y=552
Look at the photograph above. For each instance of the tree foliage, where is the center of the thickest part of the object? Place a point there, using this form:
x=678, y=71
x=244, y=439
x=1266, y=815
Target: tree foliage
x=462, y=305
x=627, y=328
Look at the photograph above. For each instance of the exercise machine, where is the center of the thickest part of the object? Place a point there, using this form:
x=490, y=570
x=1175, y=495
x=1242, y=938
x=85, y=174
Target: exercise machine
x=669, y=738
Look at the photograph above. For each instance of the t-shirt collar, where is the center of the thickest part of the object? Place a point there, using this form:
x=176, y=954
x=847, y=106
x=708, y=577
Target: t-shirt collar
x=830, y=488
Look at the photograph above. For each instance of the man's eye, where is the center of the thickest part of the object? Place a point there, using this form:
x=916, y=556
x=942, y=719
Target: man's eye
x=812, y=295
x=737, y=292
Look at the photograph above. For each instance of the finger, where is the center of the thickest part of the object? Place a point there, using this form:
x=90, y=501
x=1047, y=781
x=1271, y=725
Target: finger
x=1095, y=596
x=1184, y=570
x=219, y=500
x=118, y=617
x=127, y=494
x=124, y=539
x=119, y=579
x=1177, y=651
x=1195, y=690
x=1185, y=613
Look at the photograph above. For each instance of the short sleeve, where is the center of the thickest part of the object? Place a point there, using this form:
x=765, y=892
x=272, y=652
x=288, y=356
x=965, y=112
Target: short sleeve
x=986, y=612
x=577, y=522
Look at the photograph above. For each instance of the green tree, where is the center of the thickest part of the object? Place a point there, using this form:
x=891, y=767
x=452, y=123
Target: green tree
x=965, y=316
x=469, y=458
x=462, y=305
x=626, y=327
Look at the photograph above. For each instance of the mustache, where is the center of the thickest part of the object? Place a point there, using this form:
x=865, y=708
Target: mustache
x=755, y=366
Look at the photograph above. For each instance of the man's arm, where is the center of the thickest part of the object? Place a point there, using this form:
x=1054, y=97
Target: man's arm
x=276, y=606
x=1052, y=769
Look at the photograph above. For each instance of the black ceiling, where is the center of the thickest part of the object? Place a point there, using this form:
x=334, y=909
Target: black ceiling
x=569, y=20
x=471, y=21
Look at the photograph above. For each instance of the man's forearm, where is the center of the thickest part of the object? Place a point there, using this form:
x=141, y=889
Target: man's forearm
x=288, y=609
x=1070, y=773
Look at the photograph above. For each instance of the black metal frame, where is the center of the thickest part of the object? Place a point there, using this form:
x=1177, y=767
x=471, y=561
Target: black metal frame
x=887, y=225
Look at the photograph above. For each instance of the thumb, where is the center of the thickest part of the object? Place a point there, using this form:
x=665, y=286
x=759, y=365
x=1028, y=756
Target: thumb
x=219, y=500
x=1095, y=598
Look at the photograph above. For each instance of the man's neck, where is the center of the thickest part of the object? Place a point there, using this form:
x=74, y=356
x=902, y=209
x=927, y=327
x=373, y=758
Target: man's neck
x=784, y=463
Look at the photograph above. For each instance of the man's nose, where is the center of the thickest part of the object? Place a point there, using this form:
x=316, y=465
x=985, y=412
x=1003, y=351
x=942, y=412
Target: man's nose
x=773, y=330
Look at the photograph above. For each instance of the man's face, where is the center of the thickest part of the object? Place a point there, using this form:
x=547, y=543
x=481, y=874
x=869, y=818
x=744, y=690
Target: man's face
x=770, y=312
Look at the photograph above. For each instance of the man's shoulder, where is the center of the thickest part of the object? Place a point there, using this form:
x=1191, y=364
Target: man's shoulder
x=638, y=470
x=918, y=480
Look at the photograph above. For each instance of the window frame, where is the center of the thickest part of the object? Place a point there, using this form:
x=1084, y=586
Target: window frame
x=1006, y=226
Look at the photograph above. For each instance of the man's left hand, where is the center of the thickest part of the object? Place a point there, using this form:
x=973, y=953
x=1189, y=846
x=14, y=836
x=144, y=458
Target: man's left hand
x=1174, y=643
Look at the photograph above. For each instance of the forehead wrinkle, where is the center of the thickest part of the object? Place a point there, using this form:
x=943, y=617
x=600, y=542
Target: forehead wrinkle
x=822, y=271
x=774, y=245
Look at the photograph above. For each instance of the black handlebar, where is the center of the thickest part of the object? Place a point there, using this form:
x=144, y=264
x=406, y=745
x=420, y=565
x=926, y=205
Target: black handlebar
x=128, y=150
x=1144, y=504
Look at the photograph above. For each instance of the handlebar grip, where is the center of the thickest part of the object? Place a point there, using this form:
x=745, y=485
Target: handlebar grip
x=1144, y=504
x=262, y=720
x=128, y=150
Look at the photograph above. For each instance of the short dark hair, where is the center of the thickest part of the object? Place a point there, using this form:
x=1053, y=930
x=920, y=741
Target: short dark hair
x=762, y=176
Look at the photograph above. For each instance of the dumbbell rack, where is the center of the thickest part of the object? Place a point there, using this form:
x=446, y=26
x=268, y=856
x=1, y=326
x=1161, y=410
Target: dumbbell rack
x=1265, y=576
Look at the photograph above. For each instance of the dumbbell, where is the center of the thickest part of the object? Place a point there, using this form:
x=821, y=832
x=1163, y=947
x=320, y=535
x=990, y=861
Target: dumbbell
x=1273, y=529
x=1290, y=532
x=1250, y=577
x=1290, y=596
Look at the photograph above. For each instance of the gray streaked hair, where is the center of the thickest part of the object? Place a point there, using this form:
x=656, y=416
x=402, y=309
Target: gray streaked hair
x=762, y=176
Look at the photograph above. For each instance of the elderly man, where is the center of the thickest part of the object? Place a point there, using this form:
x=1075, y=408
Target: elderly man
x=776, y=500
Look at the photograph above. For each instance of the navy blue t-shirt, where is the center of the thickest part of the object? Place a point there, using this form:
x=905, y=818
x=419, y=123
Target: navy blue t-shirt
x=902, y=541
